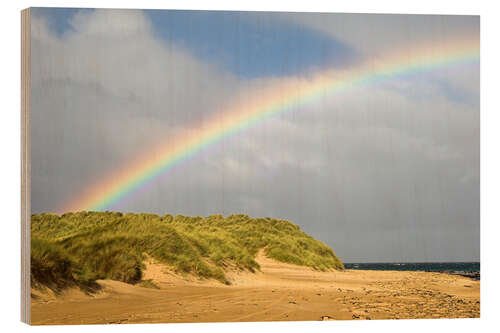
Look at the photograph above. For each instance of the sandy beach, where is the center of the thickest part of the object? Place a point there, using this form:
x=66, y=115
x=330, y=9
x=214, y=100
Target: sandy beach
x=279, y=292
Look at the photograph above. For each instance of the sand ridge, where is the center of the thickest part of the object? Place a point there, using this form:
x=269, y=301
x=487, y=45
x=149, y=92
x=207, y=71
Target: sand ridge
x=275, y=293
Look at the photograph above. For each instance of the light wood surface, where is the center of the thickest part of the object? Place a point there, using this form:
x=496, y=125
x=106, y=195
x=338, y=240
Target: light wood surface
x=25, y=166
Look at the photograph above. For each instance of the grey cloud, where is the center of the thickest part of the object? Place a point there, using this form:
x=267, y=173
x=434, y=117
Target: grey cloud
x=376, y=33
x=386, y=172
x=105, y=92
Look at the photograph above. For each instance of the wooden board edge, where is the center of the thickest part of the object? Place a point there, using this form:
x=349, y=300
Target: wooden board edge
x=25, y=166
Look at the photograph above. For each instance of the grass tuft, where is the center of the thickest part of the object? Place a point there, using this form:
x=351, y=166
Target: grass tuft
x=148, y=284
x=85, y=246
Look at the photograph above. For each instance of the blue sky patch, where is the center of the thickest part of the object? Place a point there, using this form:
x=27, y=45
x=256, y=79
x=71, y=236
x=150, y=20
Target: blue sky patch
x=250, y=44
x=247, y=44
x=58, y=19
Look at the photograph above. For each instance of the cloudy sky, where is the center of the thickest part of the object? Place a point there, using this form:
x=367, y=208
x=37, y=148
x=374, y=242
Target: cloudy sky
x=387, y=171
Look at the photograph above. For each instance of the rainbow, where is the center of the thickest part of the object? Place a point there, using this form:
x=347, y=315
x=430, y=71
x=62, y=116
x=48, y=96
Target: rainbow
x=282, y=96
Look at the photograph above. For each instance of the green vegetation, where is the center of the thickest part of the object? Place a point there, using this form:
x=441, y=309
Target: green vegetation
x=50, y=265
x=148, y=284
x=85, y=246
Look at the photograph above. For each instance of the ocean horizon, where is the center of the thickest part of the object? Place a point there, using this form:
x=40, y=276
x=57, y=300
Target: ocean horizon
x=472, y=266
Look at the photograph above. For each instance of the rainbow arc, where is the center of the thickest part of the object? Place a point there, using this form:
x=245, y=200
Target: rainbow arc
x=285, y=95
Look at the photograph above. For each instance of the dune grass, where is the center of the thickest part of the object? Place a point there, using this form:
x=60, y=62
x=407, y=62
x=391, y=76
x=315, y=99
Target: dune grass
x=148, y=284
x=85, y=246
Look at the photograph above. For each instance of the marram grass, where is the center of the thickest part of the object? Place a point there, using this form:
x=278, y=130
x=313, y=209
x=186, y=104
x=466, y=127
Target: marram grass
x=79, y=248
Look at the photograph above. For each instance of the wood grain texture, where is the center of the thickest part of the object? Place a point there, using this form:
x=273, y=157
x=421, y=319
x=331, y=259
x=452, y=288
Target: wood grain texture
x=25, y=166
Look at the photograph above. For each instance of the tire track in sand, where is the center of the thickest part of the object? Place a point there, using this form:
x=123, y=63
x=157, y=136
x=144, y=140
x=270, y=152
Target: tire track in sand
x=266, y=309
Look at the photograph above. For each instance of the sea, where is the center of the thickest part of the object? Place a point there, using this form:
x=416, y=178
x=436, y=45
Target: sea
x=417, y=266
x=468, y=269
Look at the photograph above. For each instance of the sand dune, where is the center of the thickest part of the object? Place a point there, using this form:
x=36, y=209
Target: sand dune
x=278, y=292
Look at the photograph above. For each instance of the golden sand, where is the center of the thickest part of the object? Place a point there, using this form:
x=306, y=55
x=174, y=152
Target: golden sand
x=279, y=292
